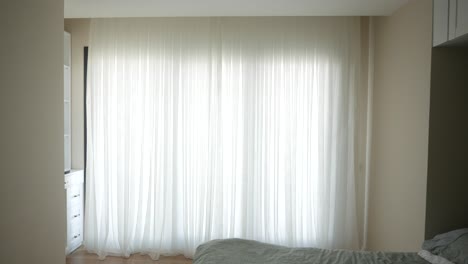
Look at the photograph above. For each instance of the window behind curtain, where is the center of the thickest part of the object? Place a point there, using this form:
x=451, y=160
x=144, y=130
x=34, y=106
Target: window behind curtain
x=206, y=128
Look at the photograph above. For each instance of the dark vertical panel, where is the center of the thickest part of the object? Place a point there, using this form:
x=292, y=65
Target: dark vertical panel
x=85, y=76
x=447, y=183
x=85, y=71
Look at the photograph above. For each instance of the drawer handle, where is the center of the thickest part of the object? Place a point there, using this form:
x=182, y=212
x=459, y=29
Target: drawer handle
x=75, y=216
x=76, y=236
x=76, y=195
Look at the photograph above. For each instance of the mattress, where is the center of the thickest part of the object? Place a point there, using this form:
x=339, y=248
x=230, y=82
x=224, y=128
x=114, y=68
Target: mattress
x=236, y=251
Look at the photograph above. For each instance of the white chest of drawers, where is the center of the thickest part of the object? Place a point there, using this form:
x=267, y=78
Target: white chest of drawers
x=74, y=186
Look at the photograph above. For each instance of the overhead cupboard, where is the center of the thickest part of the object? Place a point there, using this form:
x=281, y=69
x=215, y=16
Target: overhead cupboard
x=450, y=22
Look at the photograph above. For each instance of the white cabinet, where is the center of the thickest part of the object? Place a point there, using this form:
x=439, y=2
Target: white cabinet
x=67, y=101
x=74, y=179
x=74, y=186
x=450, y=22
x=74, y=183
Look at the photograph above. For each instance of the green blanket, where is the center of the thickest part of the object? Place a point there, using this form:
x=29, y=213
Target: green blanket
x=239, y=251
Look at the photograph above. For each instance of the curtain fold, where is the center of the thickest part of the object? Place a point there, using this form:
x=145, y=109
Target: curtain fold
x=207, y=128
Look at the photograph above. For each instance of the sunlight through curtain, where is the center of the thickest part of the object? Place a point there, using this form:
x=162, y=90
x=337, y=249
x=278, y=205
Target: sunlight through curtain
x=207, y=128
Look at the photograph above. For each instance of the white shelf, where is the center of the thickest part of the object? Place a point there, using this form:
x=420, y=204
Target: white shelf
x=67, y=49
x=67, y=101
x=67, y=84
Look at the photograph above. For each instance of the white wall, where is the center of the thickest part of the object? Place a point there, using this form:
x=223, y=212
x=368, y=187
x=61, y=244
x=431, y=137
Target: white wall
x=32, y=195
x=79, y=30
x=400, y=128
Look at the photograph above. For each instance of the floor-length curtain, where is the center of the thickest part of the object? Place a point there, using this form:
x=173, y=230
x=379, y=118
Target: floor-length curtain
x=206, y=128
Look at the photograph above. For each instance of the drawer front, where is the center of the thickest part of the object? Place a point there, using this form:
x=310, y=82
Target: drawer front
x=74, y=236
x=75, y=230
x=74, y=212
x=74, y=178
x=74, y=191
x=74, y=244
x=74, y=195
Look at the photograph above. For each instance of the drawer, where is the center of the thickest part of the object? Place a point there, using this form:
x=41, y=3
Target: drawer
x=74, y=244
x=75, y=238
x=76, y=226
x=75, y=229
x=74, y=196
x=74, y=212
x=75, y=177
x=74, y=191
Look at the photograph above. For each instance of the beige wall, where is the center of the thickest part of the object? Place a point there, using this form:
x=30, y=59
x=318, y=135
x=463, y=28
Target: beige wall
x=400, y=128
x=79, y=30
x=32, y=195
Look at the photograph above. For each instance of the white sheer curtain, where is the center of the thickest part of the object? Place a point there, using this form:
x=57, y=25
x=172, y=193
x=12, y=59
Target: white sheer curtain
x=206, y=128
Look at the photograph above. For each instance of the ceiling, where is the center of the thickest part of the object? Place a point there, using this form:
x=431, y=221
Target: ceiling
x=190, y=8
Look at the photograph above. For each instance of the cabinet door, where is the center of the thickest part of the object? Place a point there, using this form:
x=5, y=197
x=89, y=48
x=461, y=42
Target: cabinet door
x=462, y=17
x=66, y=101
x=66, y=83
x=452, y=19
x=440, y=22
x=66, y=48
x=67, y=153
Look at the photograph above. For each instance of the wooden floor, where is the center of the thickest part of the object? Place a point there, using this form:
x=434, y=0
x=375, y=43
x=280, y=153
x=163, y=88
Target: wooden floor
x=80, y=256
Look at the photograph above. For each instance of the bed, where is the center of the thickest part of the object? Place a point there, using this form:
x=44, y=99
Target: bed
x=236, y=251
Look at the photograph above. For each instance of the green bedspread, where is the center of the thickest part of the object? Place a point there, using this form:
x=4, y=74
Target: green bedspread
x=237, y=251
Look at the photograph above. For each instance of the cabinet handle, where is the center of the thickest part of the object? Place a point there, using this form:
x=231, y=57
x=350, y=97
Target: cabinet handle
x=75, y=216
x=76, y=195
